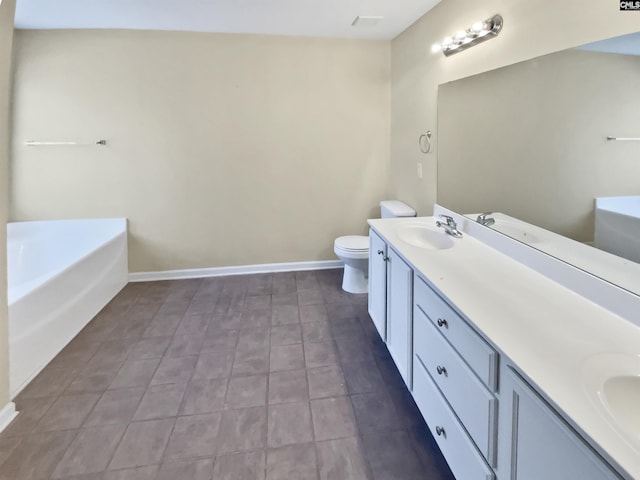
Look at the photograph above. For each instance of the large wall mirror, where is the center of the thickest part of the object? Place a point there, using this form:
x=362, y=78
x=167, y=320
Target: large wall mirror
x=530, y=140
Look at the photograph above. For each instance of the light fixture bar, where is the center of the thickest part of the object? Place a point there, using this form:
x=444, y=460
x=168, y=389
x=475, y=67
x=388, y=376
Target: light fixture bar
x=479, y=32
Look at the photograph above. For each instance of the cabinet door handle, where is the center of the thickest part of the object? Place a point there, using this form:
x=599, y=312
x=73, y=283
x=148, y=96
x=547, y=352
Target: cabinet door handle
x=384, y=257
x=441, y=370
x=443, y=323
x=440, y=431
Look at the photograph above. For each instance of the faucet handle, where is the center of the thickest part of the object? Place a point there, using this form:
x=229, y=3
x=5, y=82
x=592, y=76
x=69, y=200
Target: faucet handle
x=450, y=221
x=482, y=216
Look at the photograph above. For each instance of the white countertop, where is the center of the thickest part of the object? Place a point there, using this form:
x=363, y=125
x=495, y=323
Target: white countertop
x=547, y=331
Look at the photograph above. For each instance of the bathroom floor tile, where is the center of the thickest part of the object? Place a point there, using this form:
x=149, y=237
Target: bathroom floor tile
x=115, y=406
x=391, y=456
x=313, y=313
x=245, y=392
x=375, y=412
x=333, y=418
x=213, y=365
x=204, y=396
x=186, y=470
x=342, y=458
x=143, y=444
x=289, y=423
x=67, y=412
x=293, y=462
x=320, y=354
x=193, y=436
x=134, y=373
x=288, y=386
x=251, y=362
x=262, y=377
x=175, y=370
x=286, y=357
x=153, y=347
x=37, y=456
x=315, y=332
x=160, y=401
x=240, y=466
x=185, y=345
x=243, y=430
x=326, y=382
x=90, y=451
x=285, y=314
x=286, y=335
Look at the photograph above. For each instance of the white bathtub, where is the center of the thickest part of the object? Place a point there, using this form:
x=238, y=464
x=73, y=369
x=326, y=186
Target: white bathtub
x=617, y=226
x=60, y=274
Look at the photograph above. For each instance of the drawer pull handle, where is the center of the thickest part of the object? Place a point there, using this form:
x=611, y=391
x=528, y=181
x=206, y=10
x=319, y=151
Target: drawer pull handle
x=442, y=323
x=441, y=370
x=440, y=431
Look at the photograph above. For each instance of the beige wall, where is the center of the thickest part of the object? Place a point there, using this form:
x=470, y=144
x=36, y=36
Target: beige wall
x=529, y=139
x=7, y=8
x=531, y=28
x=222, y=149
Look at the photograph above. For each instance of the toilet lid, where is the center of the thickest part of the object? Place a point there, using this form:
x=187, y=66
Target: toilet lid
x=353, y=243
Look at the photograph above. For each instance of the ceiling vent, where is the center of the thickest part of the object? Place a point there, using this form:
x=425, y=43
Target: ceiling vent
x=366, y=21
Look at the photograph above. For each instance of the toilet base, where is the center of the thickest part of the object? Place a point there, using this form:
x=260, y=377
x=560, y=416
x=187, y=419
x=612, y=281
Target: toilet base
x=355, y=280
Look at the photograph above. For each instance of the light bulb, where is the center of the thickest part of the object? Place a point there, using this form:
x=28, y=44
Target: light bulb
x=446, y=41
x=436, y=47
x=461, y=35
x=477, y=27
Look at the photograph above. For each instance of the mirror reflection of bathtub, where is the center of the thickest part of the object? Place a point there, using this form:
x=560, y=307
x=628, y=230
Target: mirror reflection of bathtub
x=60, y=275
x=617, y=226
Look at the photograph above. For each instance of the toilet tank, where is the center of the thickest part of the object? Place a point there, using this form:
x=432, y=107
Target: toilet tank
x=395, y=208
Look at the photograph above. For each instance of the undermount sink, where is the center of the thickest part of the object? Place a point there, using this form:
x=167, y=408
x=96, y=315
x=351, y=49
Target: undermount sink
x=424, y=236
x=622, y=395
x=613, y=383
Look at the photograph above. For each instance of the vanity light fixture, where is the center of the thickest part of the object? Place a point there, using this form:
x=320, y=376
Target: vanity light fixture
x=478, y=33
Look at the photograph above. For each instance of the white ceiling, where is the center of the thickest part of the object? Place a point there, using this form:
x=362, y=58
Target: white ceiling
x=323, y=18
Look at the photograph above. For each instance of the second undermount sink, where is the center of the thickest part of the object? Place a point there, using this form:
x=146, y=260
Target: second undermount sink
x=424, y=236
x=613, y=383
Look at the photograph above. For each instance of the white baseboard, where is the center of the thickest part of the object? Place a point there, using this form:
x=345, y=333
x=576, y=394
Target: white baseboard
x=7, y=414
x=239, y=270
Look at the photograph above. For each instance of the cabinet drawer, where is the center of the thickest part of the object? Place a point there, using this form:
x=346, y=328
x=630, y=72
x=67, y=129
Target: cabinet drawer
x=474, y=405
x=478, y=354
x=465, y=461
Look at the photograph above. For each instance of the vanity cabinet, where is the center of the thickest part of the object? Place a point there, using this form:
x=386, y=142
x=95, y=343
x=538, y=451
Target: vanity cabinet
x=390, y=302
x=489, y=423
x=537, y=443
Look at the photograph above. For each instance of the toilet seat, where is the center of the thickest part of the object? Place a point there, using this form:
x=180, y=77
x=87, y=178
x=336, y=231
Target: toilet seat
x=352, y=246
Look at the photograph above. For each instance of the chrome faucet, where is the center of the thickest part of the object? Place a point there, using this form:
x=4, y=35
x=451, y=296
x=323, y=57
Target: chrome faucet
x=483, y=220
x=450, y=226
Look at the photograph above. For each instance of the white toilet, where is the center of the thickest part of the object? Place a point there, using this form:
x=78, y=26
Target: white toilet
x=353, y=250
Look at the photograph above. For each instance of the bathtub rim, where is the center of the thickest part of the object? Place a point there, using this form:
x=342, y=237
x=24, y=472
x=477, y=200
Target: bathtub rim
x=44, y=280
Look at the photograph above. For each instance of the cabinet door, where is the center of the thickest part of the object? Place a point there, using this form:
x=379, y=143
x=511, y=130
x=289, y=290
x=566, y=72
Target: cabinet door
x=539, y=444
x=378, y=283
x=399, y=313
